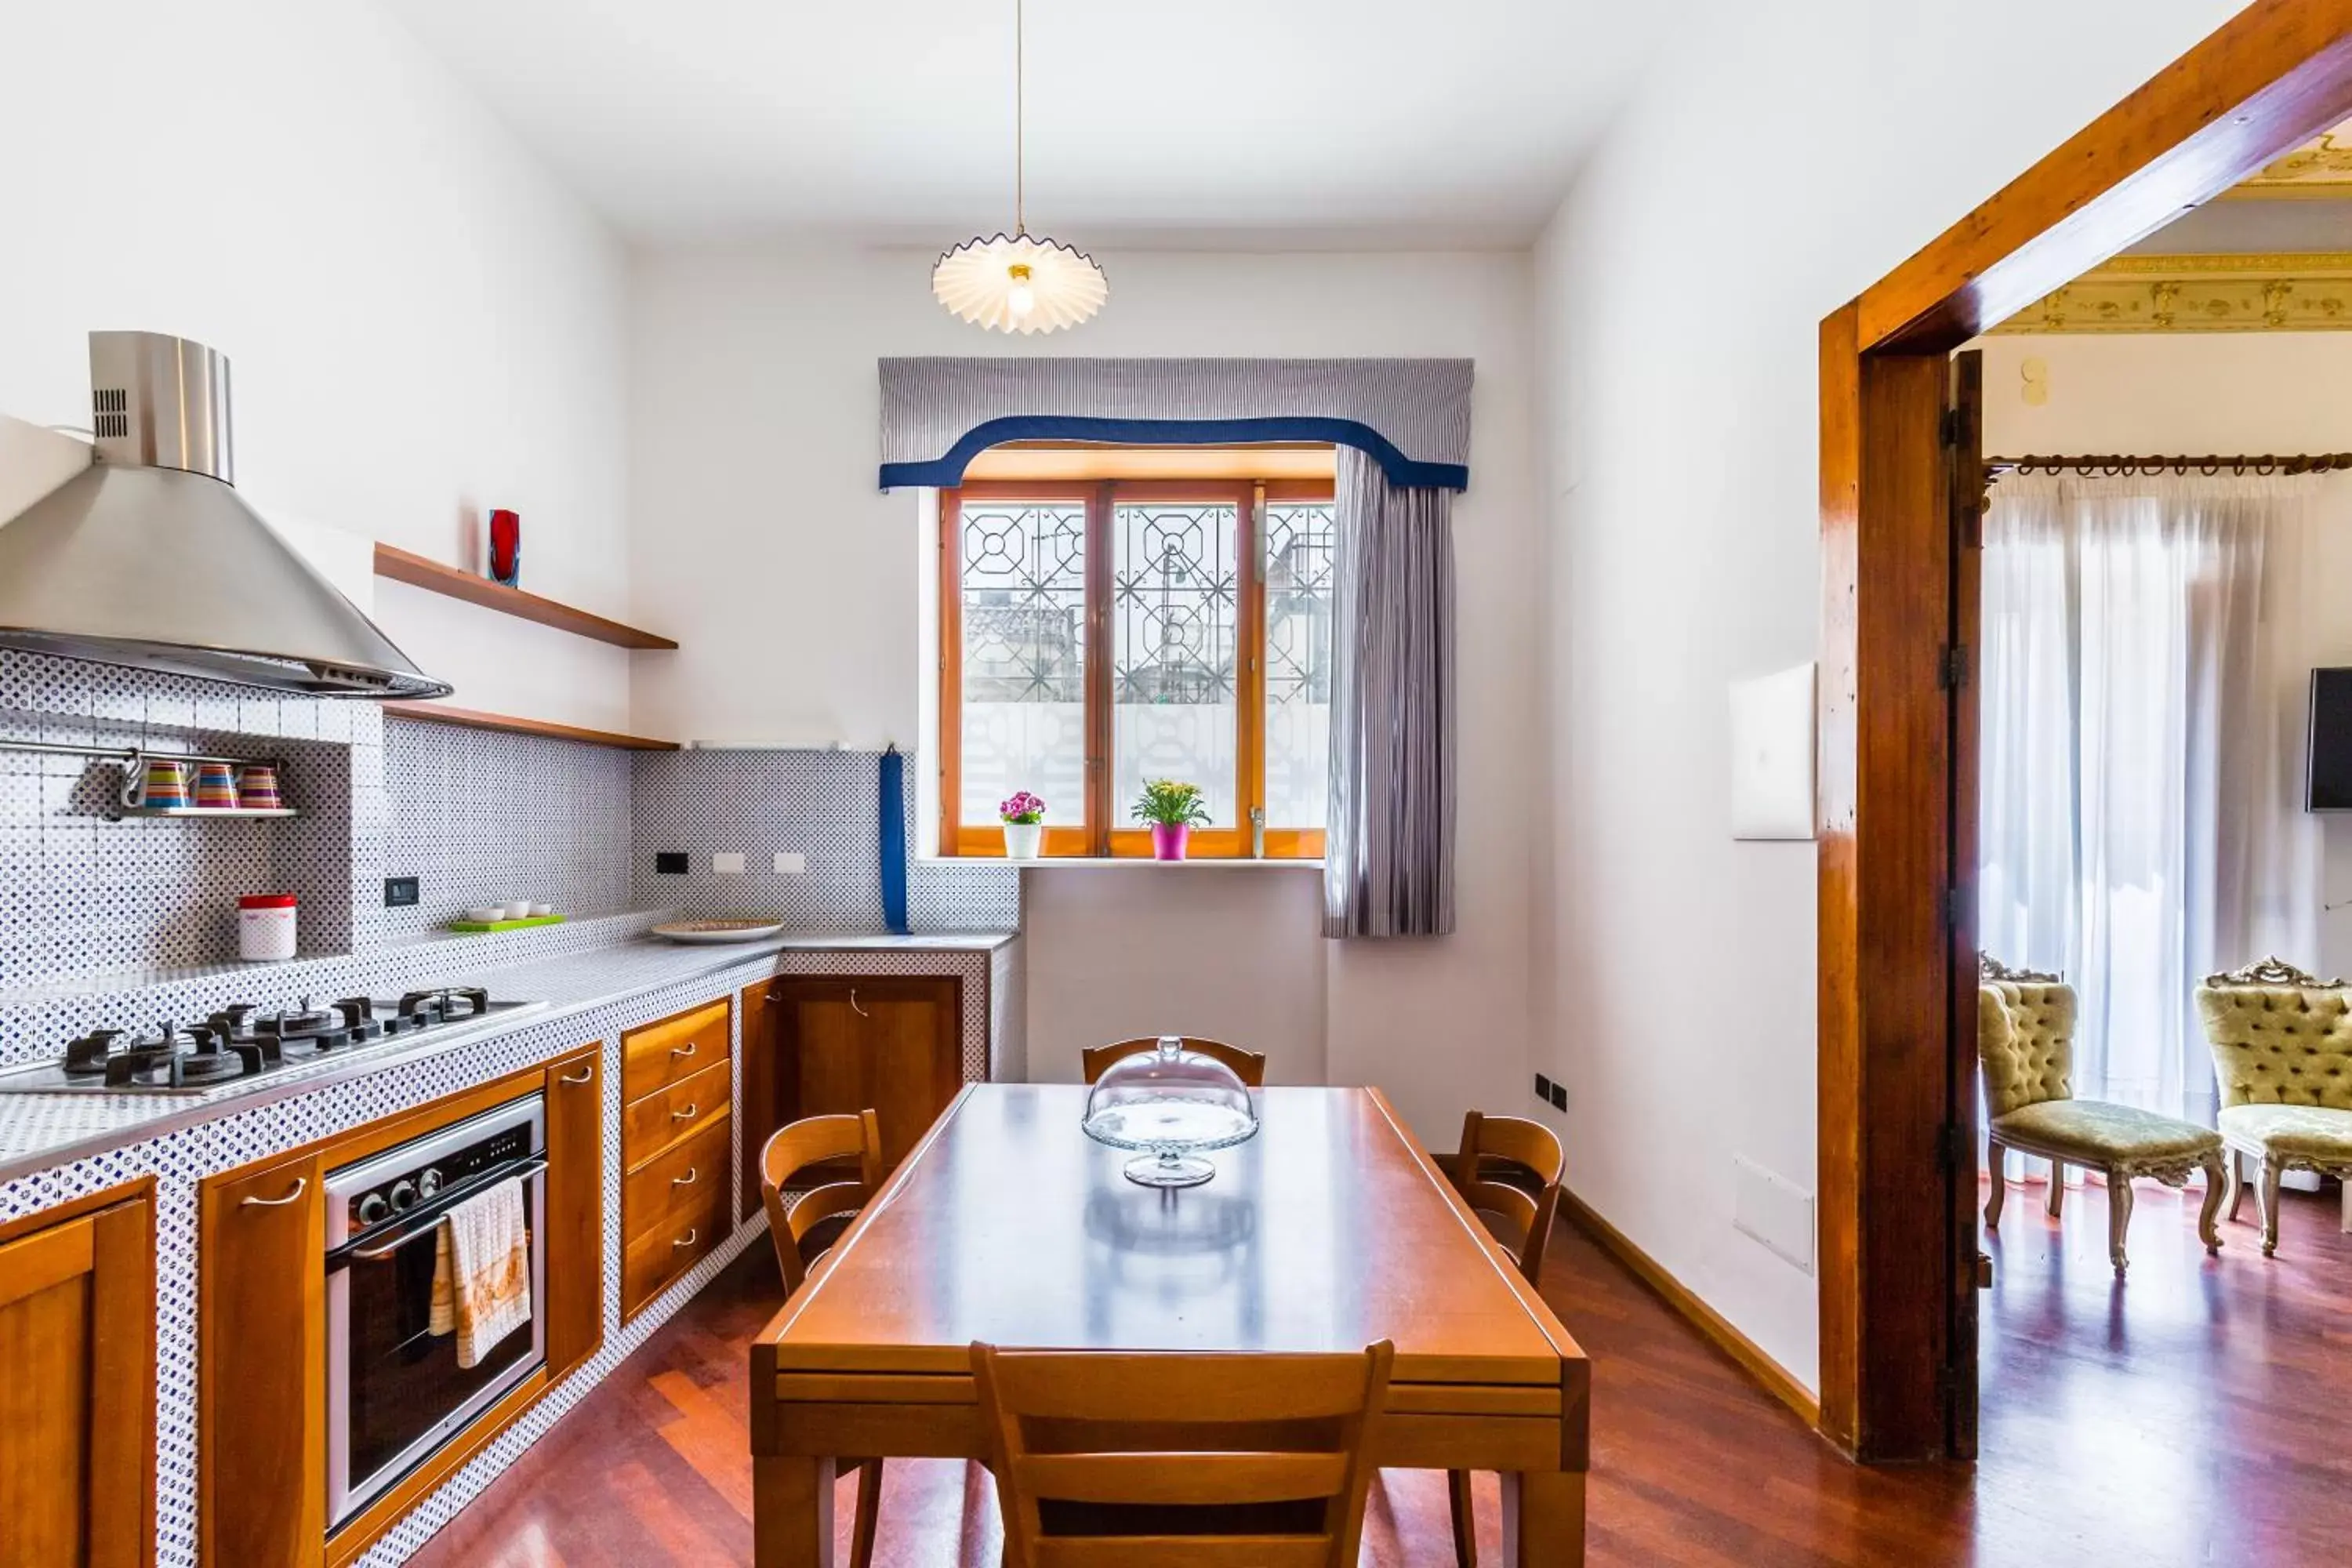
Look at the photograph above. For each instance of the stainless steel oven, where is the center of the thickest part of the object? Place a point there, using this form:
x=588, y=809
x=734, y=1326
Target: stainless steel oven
x=395, y=1390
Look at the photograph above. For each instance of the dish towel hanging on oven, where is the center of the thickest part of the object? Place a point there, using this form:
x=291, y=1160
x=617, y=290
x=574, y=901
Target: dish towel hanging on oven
x=481, y=1277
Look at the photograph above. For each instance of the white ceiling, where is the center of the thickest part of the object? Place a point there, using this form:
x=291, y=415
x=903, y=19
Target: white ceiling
x=1379, y=122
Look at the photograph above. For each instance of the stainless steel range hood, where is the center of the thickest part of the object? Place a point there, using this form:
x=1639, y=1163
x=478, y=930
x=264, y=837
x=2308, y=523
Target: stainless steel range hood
x=151, y=559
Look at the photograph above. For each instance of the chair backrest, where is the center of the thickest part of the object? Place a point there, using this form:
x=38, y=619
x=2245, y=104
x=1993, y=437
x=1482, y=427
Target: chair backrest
x=1509, y=1170
x=1248, y=1065
x=792, y=1149
x=2025, y=1037
x=2279, y=1037
x=1152, y=1459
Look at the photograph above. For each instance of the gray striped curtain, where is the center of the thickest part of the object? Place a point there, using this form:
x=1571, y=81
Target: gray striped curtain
x=1389, y=846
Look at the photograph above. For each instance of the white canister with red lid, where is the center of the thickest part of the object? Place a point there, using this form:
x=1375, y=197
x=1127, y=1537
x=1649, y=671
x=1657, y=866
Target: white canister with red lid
x=265, y=926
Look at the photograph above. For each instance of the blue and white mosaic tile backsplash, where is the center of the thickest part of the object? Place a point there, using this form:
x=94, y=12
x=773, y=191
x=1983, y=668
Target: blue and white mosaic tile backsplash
x=473, y=815
x=826, y=807
x=82, y=891
x=478, y=817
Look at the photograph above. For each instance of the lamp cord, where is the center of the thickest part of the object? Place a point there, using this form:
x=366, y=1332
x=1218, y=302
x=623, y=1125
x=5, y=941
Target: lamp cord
x=1020, y=120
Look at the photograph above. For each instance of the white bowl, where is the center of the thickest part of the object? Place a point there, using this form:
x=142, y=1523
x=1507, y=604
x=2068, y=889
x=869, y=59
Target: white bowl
x=485, y=915
x=538, y=910
x=519, y=909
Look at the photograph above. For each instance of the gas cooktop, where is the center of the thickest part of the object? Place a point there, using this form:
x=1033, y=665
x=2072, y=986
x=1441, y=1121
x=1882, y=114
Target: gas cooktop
x=243, y=1042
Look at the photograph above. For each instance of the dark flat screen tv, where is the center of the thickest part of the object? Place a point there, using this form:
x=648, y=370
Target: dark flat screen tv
x=2331, y=740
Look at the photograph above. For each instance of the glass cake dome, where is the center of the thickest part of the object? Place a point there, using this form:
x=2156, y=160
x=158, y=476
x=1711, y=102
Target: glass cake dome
x=1174, y=1104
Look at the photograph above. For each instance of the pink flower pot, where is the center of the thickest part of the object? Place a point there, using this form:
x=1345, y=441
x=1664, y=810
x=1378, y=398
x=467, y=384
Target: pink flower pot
x=1167, y=840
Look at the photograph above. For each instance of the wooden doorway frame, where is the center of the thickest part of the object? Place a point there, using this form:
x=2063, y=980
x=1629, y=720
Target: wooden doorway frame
x=2273, y=75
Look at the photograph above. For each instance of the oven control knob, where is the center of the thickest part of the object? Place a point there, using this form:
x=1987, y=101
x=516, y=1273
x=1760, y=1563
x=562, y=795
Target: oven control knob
x=404, y=1194
x=372, y=1208
x=429, y=1182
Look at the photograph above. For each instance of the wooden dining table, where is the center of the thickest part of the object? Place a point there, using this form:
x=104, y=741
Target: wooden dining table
x=1330, y=1230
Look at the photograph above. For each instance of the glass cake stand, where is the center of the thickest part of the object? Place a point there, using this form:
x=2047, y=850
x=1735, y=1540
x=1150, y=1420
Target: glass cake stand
x=1173, y=1104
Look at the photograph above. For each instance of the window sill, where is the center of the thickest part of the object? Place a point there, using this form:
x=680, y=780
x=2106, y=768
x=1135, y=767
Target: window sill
x=1129, y=862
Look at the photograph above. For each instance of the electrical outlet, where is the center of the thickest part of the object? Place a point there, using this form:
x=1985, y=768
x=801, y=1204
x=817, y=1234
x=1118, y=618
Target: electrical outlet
x=1559, y=1097
x=790, y=863
x=399, y=892
x=670, y=862
x=1543, y=1087
x=727, y=863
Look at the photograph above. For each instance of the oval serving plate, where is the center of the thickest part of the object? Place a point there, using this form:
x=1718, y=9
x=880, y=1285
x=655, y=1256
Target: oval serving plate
x=719, y=930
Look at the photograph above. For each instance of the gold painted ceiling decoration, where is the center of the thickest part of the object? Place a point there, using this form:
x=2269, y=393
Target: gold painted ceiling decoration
x=2316, y=171
x=2253, y=293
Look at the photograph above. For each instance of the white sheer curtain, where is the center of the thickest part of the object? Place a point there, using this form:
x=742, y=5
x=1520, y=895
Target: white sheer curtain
x=2141, y=714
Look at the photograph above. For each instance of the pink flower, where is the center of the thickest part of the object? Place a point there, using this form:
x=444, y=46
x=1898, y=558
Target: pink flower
x=1022, y=808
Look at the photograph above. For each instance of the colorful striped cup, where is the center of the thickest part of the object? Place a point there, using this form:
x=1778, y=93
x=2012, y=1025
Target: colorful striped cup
x=215, y=786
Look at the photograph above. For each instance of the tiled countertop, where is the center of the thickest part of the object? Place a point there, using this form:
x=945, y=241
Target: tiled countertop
x=38, y=1130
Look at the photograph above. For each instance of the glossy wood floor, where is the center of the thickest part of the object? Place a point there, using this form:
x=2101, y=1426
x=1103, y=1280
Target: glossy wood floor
x=2199, y=1415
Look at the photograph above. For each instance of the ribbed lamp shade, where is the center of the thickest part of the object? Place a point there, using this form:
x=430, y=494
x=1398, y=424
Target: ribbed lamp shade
x=1017, y=283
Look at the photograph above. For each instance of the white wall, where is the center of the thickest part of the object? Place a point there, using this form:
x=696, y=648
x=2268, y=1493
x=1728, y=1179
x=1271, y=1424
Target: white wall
x=1118, y=953
x=420, y=322
x=760, y=537
x=2224, y=393
x=1774, y=164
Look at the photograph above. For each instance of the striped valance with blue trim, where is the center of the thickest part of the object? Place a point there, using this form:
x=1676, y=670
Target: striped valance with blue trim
x=1411, y=415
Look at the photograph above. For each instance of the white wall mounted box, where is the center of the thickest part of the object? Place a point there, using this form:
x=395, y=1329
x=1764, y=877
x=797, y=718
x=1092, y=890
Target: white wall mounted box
x=790, y=863
x=1774, y=1210
x=729, y=862
x=1772, y=755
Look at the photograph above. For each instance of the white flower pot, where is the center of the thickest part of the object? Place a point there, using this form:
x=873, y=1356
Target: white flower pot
x=1021, y=840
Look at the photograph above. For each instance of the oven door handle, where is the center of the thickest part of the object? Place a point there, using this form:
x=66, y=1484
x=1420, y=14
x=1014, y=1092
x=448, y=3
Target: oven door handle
x=420, y=1222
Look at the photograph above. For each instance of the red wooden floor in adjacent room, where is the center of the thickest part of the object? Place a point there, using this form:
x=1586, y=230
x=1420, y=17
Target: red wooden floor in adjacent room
x=2196, y=1416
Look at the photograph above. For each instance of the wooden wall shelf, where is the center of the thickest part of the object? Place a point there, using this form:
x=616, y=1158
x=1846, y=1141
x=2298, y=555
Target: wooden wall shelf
x=472, y=719
x=418, y=572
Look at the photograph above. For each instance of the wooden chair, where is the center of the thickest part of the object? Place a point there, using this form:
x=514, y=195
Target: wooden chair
x=1161, y=1459
x=1248, y=1065
x=1508, y=1170
x=791, y=1150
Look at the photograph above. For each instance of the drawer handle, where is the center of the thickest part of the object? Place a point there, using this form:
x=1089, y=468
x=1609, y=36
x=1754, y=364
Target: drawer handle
x=301, y=1184
x=692, y=1174
x=686, y=1049
x=685, y=1240
x=855, y=1007
x=687, y=1115
x=586, y=1073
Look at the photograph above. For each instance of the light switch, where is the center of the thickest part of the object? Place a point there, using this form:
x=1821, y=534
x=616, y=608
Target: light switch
x=790, y=863
x=729, y=864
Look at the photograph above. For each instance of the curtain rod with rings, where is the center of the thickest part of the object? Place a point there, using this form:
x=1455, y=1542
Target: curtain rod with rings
x=2116, y=465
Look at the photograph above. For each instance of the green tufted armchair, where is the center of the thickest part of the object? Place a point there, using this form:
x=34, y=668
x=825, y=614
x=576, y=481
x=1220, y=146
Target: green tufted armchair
x=2025, y=1045
x=2282, y=1046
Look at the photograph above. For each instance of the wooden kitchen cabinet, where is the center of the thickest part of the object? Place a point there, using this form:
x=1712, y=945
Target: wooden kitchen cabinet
x=261, y=1365
x=676, y=1092
x=819, y=1045
x=575, y=1210
x=77, y=1399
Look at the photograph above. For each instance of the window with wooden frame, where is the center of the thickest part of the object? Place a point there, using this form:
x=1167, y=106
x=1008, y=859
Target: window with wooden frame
x=1100, y=631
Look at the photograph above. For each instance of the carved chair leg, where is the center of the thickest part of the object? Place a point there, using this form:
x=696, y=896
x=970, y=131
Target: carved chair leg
x=2207, y=1230
x=2057, y=1198
x=1999, y=1160
x=2236, y=1197
x=2266, y=1201
x=1465, y=1518
x=2119, y=1207
x=869, y=1513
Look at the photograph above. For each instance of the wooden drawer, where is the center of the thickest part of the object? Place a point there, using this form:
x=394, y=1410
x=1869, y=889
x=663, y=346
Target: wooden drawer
x=677, y=1048
x=669, y=1250
x=676, y=1183
x=665, y=1117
